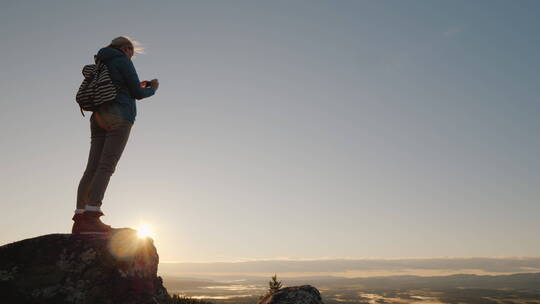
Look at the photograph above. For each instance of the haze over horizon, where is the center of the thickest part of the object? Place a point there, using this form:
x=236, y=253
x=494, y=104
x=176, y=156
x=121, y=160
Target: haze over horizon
x=297, y=130
x=351, y=268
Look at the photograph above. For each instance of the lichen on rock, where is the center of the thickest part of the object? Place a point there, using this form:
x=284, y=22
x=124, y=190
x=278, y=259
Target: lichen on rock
x=305, y=294
x=65, y=268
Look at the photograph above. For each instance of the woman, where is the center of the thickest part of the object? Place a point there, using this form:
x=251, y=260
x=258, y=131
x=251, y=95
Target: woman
x=110, y=127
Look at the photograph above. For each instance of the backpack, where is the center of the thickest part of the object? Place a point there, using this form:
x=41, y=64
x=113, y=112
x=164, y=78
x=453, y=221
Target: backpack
x=97, y=87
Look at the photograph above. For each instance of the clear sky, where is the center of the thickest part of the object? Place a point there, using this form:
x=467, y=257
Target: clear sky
x=286, y=129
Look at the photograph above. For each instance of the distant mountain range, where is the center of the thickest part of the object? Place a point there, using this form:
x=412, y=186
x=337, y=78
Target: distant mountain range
x=525, y=281
x=522, y=281
x=360, y=267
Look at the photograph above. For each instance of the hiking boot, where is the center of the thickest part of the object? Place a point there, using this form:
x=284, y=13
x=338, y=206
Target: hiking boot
x=89, y=222
x=78, y=224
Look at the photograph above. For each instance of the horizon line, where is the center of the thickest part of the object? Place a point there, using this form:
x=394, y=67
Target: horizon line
x=286, y=259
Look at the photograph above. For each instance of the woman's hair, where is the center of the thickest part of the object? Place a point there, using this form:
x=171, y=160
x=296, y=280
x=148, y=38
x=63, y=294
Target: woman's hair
x=123, y=41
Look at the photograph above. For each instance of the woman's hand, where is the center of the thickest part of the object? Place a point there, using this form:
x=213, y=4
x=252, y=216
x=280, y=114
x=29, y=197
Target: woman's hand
x=154, y=84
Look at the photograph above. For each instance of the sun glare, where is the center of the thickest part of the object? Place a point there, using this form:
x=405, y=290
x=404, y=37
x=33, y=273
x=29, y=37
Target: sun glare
x=144, y=231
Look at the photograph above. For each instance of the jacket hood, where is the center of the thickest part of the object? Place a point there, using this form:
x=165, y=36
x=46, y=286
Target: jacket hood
x=107, y=53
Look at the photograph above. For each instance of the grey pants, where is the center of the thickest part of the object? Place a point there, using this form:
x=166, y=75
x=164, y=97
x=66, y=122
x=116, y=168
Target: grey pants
x=109, y=135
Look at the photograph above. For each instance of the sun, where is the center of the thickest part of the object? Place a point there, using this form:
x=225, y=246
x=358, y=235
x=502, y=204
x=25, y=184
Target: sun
x=144, y=231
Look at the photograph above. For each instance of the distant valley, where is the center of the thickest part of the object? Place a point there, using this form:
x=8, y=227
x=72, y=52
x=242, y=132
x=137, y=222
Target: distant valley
x=521, y=288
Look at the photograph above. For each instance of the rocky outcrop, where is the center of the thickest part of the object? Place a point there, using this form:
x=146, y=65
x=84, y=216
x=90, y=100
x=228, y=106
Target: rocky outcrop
x=65, y=268
x=305, y=294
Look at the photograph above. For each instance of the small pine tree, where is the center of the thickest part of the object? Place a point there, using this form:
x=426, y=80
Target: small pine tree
x=274, y=285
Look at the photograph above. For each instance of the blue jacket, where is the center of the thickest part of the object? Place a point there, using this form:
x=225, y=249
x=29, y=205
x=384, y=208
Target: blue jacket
x=124, y=76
